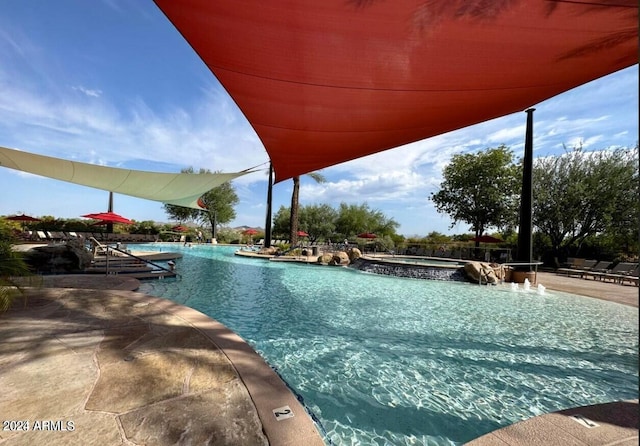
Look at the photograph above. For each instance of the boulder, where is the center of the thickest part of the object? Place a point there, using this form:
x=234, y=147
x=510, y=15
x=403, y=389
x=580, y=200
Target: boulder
x=325, y=258
x=339, y=258
x=482, y=272
x=270, y=251
x=71, y=257
x=353, y=253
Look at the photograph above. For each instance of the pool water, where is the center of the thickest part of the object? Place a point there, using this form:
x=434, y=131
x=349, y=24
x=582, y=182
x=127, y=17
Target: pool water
x=379, y=360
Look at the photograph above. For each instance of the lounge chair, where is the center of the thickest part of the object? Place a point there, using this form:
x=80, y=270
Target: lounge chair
x=601, y=267
x=618, y=272
x=57, y=236
x=579, y=268
x=633, y=277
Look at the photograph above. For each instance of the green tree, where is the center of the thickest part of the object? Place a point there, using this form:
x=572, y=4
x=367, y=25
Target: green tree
x=295, y=204
x=281, y=221
x=356, y=218
x=219, y=202
x=481, y=189
x=324, y=222
x=319, y=221
x=180, y=213
x=143, y=227
x=219, y=205
x=581, y=194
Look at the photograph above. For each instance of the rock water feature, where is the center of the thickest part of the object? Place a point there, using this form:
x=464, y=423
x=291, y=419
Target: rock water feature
x=475, y=272
x=414, y=271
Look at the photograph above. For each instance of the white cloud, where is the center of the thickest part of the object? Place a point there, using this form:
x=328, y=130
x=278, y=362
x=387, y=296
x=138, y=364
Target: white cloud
x=88, y=92
x=396, y=186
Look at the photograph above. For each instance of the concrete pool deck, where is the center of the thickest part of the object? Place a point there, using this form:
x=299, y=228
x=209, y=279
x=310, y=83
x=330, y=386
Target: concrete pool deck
x=125, y=368
x=90, y=361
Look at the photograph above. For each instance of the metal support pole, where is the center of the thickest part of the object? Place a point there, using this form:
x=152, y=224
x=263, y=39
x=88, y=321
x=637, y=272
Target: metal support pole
x=267, y=224
x=110, y=209
x=525, y=248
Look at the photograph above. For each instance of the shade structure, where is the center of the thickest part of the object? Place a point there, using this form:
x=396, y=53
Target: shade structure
x=368, y=235
x=108, y=217
x=329, y=81
x=22, y=217
x=302, y=234
x=250, y=232
x=181, y=189
x=486, y=239
x=180, y=228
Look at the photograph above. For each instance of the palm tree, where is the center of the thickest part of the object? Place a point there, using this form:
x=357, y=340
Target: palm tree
x=293, y=219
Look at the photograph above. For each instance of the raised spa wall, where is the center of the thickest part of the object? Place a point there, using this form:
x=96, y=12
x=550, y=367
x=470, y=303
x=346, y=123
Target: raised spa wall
x=410, y=270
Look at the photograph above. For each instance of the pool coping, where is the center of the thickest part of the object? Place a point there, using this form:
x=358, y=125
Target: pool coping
x=607, y=424
x=267, y=390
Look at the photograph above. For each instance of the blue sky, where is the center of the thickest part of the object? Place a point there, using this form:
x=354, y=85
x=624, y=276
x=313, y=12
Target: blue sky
x=112, y=82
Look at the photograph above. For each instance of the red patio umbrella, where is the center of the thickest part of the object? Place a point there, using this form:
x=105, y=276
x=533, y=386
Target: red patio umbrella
x=22, y=217
x=486, y=239
x=250, y=232
x=109, y=217
x=368, y=235
x=302, y=234
x=180, y=228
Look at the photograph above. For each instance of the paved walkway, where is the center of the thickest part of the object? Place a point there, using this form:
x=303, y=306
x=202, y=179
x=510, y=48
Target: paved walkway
x=83, y=366
x=623, y=294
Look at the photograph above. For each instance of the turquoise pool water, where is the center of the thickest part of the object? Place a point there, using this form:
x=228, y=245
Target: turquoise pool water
x=387, y=361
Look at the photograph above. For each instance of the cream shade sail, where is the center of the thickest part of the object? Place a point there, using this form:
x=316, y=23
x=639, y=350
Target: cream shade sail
x=182, y=189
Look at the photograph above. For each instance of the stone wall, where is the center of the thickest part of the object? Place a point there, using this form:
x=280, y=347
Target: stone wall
x=408, y=270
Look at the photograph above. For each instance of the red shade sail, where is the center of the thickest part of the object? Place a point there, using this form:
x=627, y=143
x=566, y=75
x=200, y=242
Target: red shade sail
x=368, y=235
x=323, y=82
x=180, y=228
x=302, y=234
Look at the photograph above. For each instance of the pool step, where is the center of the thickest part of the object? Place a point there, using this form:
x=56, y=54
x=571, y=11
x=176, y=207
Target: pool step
x=120, y=269
x=155, y=274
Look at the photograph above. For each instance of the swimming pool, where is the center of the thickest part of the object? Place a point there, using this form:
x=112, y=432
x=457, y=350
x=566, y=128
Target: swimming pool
x=389, y=361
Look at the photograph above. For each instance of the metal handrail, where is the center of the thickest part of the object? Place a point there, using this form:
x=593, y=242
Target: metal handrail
x=142, y=259
x=126, y=253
